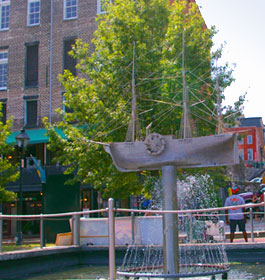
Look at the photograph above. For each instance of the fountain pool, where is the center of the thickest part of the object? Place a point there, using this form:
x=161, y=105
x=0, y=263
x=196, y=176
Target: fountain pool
x=239, y=271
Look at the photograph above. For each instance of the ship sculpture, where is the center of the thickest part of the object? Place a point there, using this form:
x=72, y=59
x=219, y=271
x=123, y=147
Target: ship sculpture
x=168, y=154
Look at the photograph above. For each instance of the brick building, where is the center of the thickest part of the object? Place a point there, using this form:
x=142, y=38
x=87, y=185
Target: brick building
x=34, y=42
x=251, y=140
x=35, y=37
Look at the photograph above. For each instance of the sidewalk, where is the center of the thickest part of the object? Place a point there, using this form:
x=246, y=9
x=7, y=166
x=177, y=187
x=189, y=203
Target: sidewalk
x=258, y=226
x=239, y=242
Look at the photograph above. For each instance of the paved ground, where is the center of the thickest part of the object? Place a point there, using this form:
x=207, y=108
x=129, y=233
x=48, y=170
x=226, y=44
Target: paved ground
x=258, y=228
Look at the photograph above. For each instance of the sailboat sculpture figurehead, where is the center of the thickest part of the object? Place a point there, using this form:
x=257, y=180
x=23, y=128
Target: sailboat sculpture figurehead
x=157, y=151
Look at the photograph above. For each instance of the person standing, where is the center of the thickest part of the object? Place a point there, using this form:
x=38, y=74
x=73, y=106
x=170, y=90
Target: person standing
x=236, y=217
x=261, y=195
x=229, y=191
x=256, y=199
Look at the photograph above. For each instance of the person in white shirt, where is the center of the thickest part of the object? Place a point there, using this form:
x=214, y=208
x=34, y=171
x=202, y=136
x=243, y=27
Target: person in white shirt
x=236, y=217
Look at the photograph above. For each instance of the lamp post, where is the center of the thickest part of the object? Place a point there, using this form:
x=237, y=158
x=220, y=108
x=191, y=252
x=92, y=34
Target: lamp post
x=22, y=140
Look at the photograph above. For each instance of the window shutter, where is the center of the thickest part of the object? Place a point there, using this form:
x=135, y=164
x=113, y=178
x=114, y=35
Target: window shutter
x=32, y=65
x=69, y=62
x=3, y=118
x=32, y=113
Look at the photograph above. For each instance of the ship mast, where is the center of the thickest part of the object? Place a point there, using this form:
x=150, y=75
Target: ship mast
x=185, y=130
x=133, y=130
x=219, y=103
x=133, y=95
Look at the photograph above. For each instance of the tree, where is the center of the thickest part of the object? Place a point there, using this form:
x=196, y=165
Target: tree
x=233, y=113
x=8, y=172
x=144, y=39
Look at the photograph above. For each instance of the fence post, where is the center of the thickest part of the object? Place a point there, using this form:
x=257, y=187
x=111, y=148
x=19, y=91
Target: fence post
x=251, y=224
x=111, y=228
x=76, y=229
x=221, y=226
x=42, y=238
x=190, y=233
x=133, y=226
x=1, y=232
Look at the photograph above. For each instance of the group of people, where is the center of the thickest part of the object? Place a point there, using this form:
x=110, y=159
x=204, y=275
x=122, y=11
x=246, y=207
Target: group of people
x=235, y=216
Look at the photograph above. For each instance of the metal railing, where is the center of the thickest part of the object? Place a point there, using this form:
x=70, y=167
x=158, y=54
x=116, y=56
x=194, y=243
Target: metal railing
x=75, y=216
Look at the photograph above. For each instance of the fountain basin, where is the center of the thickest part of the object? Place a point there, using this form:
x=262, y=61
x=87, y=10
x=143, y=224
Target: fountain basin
x=94, y=231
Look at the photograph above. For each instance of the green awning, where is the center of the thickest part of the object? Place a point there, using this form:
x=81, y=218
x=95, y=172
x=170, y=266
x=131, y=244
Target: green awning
x=37, y=136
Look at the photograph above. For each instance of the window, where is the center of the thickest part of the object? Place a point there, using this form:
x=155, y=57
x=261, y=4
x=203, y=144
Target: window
x=250, y=139
x=66, y=108
x=32, y=65
x=3, y=111
x=31, y=113
x=33, y=12
x=70, y=9
x=101, y=6
x=69, y=61
x=4, y=14
x=3, y=69
x=250, y=154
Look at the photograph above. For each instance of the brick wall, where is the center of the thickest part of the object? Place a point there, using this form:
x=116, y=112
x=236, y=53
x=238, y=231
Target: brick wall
x=20, y=34
x=257, y=141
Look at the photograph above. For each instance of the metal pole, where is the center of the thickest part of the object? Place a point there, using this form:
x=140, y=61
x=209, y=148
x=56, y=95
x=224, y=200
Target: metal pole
x=111, y=228
x=1, y=232
x=264, y=207
x=42, y=240
x=42, y=226
x=76, y=229
x=51, y=64
x=170, y=221
x=251, y=224
x=19, y=205
x=133, y=226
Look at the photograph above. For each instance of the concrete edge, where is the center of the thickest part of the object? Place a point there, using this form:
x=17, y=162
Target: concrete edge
x=38, y=252
x=22, y=254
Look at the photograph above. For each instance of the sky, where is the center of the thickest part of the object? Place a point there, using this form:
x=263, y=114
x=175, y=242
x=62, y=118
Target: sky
x=241, y=26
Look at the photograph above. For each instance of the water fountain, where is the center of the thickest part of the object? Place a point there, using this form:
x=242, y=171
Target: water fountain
x=165, y=153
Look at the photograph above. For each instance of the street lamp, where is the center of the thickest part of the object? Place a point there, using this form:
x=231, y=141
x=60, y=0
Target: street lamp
x=22, y=140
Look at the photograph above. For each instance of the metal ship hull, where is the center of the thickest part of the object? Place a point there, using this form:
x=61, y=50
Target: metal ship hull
x=205, y=151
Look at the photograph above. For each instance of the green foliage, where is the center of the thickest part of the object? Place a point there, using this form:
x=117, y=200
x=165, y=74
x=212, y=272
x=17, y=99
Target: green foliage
x=29, y=246
x=8, y=172
x=99, y=98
